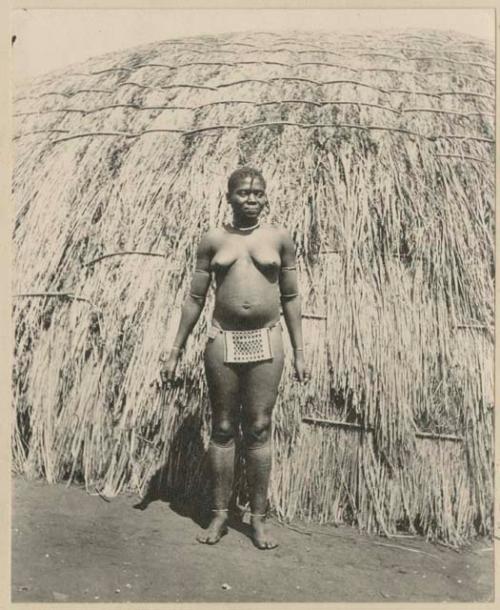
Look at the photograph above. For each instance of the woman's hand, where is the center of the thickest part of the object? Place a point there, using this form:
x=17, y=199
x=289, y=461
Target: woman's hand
x=168, y=364
x=302, y=374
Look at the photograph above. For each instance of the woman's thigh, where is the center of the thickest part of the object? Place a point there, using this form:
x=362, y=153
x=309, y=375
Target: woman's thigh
x=260, y=381
x=222, y=381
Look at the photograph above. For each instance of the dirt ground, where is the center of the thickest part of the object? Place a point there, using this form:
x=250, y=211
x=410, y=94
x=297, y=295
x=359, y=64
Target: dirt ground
x=70, y=546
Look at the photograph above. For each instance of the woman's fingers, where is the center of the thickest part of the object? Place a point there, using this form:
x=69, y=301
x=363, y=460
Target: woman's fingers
x=302, y=376
x=168, y=378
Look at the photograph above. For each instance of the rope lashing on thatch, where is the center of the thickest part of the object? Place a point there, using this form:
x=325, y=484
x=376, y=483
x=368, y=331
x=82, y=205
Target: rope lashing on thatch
x=47, y=93
x=224, y=102
x=446, y=111
x=40, y=131
x=123, y=253
x=390, y=199
x=462, y=157
x=191, y=132
x=360, y=428
x=466, y=93
x=434, y=94
x=360, y=68
x=260, y=63
x=454, y=61
x=58, y=295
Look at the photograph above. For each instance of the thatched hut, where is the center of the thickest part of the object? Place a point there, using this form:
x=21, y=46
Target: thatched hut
x=378, y=149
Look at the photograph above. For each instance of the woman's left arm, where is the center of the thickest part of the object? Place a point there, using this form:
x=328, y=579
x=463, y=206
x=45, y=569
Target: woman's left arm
x=290, y=303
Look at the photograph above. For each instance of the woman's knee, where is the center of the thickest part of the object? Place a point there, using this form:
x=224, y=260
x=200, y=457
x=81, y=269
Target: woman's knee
x=223, y=433
x=258, y=432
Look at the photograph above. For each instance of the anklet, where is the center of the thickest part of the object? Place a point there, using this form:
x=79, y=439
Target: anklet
x=220, y=510
x=258, y=515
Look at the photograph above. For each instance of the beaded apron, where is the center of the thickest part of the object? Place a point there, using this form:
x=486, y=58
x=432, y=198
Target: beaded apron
x=245, y=345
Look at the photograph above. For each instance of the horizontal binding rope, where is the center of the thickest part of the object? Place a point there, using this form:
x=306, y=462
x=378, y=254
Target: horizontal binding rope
x=357, y=83
x=312, y=316
x=441, y=437
x=190, y=132
x=332, y=422
x=342, y=424
x=207, y=105
x=233, y=64
x=61, y=295
x=125, y=252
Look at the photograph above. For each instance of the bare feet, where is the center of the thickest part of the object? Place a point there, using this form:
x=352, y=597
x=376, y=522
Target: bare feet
x=260, y=536
x=216, y=529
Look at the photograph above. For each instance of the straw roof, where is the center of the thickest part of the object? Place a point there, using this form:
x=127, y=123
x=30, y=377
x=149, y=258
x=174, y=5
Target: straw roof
x=378, y=150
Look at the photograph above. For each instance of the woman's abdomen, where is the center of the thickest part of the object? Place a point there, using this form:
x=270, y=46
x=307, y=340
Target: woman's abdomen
x=245, y=299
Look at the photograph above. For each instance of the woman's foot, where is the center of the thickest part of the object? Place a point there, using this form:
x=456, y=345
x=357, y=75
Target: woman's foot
x=216, y=529
x=260, y=535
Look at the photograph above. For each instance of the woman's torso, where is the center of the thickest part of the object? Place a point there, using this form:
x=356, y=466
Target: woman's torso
x=246, y=269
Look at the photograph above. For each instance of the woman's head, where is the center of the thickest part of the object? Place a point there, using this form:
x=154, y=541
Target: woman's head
x=246, y=193
x=244, y=172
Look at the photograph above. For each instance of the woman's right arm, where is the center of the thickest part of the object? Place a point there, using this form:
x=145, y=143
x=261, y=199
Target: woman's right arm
x=192, y=308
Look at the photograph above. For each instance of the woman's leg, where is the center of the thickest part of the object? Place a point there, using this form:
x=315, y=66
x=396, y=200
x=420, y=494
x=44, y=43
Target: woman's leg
x=259, y=389
x=223, y=387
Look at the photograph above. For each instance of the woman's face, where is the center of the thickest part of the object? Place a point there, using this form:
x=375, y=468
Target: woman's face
x=248, y=197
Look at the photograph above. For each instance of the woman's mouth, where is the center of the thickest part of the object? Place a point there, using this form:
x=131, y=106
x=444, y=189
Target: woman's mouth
x=253, y=209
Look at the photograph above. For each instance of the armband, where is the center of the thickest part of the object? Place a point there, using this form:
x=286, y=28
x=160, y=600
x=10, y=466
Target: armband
x=289, y=296
x=197, y=297
x=292, y=268
x=199, y=284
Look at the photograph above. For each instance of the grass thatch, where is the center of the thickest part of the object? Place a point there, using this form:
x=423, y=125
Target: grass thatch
x=379, y=154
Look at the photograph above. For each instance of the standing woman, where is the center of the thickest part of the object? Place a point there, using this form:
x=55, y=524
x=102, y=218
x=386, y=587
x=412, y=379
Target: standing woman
x=254, y=268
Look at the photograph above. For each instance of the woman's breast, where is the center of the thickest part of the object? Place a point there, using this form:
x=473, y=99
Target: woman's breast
x=247, y=293
x=262, y=257
x=266, y=262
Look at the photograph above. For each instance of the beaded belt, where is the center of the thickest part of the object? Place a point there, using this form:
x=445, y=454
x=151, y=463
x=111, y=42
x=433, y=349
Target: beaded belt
x=245, y=345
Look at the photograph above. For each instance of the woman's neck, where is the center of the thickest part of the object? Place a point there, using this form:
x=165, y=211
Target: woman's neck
x=245, y=224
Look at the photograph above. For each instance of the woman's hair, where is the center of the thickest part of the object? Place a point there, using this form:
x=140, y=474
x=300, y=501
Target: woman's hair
x=243, y=172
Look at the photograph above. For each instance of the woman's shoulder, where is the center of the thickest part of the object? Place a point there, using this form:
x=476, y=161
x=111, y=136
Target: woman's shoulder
x=272, y=226
x=282, y=233
x=210, y=238
x=212, y=234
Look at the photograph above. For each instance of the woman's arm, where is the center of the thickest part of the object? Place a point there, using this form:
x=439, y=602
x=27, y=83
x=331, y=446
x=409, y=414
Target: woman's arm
x=192, y=308
x=290, y=303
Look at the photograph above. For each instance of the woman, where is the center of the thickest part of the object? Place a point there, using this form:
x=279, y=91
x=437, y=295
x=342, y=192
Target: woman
x=254, y=269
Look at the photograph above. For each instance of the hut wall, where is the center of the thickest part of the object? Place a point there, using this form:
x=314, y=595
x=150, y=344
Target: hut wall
x=378, y=150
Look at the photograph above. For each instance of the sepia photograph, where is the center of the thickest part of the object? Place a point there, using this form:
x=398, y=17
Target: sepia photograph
x=253, y=306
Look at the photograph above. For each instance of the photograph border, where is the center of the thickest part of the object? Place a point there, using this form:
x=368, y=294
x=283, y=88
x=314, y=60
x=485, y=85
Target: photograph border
x=6, y=211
